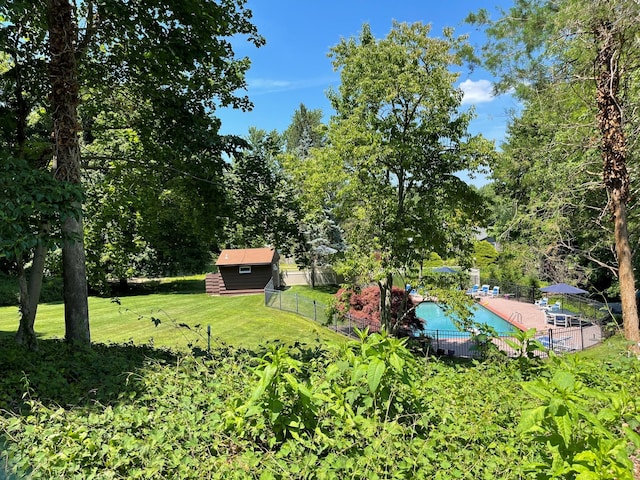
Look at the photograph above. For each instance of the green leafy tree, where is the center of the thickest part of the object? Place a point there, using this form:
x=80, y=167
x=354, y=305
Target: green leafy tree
x=484, y=254
x=265, y=206
x=24, y=144
x=305, y=164
x=589, y=45
x=151, y=196
x=305, y=132
x=30, y=198
x=400, y=135
x=168, y=54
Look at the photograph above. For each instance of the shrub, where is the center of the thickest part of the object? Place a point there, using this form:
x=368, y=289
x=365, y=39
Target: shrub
x=360, y=409
x=8, y=290
x=364, y=305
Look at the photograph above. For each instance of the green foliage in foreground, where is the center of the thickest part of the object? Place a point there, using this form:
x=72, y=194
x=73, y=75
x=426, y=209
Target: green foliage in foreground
x=363, y=409
x=178, y=321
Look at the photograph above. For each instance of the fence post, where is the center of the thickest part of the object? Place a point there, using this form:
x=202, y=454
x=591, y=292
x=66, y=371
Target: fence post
x=315, y=316
x=208, y=338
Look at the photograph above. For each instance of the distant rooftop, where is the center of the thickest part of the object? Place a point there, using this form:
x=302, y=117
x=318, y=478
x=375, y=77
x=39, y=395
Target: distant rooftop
x=246, y=256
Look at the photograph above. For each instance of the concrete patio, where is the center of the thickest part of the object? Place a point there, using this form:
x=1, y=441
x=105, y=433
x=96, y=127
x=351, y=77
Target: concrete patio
x=526, y=315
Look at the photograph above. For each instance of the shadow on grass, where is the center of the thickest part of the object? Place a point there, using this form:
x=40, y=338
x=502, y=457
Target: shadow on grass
x=61, y=376
x=149, y=287
x=329, y=289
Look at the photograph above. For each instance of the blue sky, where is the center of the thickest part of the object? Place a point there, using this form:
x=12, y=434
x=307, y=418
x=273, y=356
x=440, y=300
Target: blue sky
x=293, y=67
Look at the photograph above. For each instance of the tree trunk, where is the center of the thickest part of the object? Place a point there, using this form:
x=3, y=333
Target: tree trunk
x=313, y=273
x=385, y=287
x=26, y=334
x=626, y=275
x=76, y=308
x=615, y=173
x=64, y=101
x=30, y=294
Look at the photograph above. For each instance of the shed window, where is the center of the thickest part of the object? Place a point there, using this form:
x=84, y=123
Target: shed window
x=245, y=269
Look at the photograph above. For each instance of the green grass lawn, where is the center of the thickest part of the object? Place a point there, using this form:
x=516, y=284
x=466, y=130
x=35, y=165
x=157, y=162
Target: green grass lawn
x=322, y=293
x=242, y=321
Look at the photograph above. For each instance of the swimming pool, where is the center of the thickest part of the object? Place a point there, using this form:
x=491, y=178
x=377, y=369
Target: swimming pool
x=435, y=319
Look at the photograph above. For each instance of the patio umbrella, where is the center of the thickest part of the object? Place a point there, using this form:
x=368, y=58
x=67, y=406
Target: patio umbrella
x=563, y=289
x=444, y=270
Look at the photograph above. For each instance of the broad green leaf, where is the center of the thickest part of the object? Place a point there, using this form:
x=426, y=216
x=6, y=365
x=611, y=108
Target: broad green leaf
x=374, y=373
x=532, y=419
x=565, y=427
x=564, y=380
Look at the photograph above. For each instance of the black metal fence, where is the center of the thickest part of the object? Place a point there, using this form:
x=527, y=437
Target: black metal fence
x=454, y=343
x=583, y=305
x=317, y=311
x=292, y=302
x=451, y=343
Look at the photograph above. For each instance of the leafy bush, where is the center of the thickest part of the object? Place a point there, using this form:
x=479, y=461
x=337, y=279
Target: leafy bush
x=8, y=290
x=365, y=305
x=590, y=424
x=364, y=409
x=51, y=290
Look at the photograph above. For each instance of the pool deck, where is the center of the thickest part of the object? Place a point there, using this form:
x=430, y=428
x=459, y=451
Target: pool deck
x=526, y=315
x=522, y=315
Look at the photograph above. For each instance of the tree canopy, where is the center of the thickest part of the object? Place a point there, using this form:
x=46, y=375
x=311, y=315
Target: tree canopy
x=77, y=64
x=401, y=136
x=573, y=64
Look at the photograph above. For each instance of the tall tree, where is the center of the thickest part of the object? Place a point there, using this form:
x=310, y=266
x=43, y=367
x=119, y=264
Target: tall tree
x=64, y=99
x=592, y=42
x=305, y=166
x=25, y=135
x=305, y=132
x=265, y=206
x=402, y=137
x=168, y=53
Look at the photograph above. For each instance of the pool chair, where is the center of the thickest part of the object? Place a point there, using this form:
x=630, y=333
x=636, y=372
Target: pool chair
x=559, y=319
x=473, y=290
x=496, y=291
x=484, y=291
x=556, y=307
x=542, y=303
x=562, y=344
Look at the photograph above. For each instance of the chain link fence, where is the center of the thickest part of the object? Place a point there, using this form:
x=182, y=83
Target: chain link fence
x=440, y=342
x=317, y=311
x=582, y=305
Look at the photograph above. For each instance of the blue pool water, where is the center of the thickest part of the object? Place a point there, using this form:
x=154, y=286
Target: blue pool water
x=435, y=319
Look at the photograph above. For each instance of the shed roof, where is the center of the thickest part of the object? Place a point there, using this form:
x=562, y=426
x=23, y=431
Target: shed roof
x=246, y=256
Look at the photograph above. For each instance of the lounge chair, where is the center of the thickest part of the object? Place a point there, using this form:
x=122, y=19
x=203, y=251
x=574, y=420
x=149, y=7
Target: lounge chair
x=473, y=290
x=484, y=291
x=559, y=319
x=496, y=291
x=562, y=344
x=543, y=303
x=555, y=307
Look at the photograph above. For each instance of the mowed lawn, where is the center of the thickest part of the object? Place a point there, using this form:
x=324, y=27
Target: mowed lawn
x=241, y=321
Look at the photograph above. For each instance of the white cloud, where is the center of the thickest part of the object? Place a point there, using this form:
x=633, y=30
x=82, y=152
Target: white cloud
x=266, y=84
x=480, y=91
x=261, y=86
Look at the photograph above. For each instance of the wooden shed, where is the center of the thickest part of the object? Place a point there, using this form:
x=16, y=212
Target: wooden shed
x=246, y=270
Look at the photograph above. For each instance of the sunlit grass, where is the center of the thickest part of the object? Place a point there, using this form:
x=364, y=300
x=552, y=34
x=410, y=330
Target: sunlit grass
x=242, y=321
x=321, y=293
